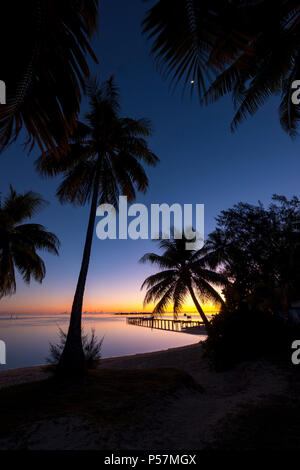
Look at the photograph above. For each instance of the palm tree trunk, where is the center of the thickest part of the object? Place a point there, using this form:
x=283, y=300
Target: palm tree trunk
x=198, y=307
x=72, y=361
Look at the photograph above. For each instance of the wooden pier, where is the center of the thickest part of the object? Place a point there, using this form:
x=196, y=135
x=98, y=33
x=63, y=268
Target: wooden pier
x=183, y=326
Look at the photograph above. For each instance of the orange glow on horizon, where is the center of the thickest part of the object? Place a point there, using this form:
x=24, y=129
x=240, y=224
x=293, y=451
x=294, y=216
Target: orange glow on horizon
x=105, y=295
x=33, y=306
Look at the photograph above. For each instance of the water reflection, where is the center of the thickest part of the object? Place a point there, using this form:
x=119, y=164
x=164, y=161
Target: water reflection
x=27, y=337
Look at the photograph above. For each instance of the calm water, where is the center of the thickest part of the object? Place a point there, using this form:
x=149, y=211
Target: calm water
x=27, y=337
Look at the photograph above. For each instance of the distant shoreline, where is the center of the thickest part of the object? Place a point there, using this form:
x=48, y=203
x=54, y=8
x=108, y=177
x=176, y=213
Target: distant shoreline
x=10, y=314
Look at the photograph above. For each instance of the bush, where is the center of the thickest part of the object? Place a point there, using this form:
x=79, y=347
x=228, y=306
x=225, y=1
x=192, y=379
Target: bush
x=91, y=347
x=246, y=334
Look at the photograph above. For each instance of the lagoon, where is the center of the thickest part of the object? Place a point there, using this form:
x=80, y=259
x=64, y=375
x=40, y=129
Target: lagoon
x=27, y=337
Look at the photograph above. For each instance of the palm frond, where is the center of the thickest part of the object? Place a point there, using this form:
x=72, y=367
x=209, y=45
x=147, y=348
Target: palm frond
x=76, y=188
x=246, y=49
x=47, y=77
x=156, y=292
x=129, y=173
x=179, y=296
x=165, y=300
x=36, y=236
x=206, y=291
x=22, y=206
x=209, y=276
x=162, y=261
x=180, y=270
x=137, y=127
x=19, y=243
x=168, y=275
x=7, y=273
x=179, y=45
x=107, y=142
x=50, y=165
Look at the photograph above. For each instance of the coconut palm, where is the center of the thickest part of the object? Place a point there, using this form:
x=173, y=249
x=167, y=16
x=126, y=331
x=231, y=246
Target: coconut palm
x=45, y=47
x=249, y=49
x=182, y=272
x=105, y=161
x=20, y=241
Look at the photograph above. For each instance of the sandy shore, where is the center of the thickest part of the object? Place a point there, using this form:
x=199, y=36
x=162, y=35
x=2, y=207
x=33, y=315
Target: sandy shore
x=188, y=420
x=134, y=361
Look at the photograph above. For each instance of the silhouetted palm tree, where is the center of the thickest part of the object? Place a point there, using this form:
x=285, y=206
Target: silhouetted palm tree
x=44, y=61
x=105, y=161
x=20, y=242
x=182, y=272
x=249, y=49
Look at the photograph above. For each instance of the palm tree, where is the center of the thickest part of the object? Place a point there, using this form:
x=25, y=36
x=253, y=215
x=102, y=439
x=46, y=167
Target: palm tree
x=105, y=161
x=249, y=49
x=20, y=242
x=44, y=64
x=182, y=272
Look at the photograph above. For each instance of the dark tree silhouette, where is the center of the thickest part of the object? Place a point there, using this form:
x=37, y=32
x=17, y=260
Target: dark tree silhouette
x=105, y=161
x=20, y=241
x=183, y=272
x=249, y=49
x=259, y=250
x=45, y=46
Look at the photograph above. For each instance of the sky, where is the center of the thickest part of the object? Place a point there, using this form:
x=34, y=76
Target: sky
x=202, y=162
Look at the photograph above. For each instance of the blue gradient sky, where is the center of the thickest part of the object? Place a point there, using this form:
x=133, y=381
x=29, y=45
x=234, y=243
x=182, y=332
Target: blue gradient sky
x=201, y=162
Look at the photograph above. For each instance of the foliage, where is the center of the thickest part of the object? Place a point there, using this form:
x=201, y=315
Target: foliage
x=106, y=159
x=106, y=146
x=245, y=335
x=248, y=49
x=20, y=241
x=258, y=249
x=182, y=272
x=91, y=346
x=44, y=64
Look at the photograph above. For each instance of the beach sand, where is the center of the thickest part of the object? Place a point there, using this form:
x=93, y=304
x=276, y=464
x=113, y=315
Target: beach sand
x=189, y=418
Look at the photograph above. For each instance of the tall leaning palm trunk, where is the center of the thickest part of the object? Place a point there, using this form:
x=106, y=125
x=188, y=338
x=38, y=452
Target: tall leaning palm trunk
x=198, y=306
x=72, y=358
x=104, y=162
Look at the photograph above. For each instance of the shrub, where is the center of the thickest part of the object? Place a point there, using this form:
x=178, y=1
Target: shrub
x=91, y=346
x=245, y=334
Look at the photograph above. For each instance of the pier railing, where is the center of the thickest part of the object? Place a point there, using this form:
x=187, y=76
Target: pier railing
x=165, y=324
